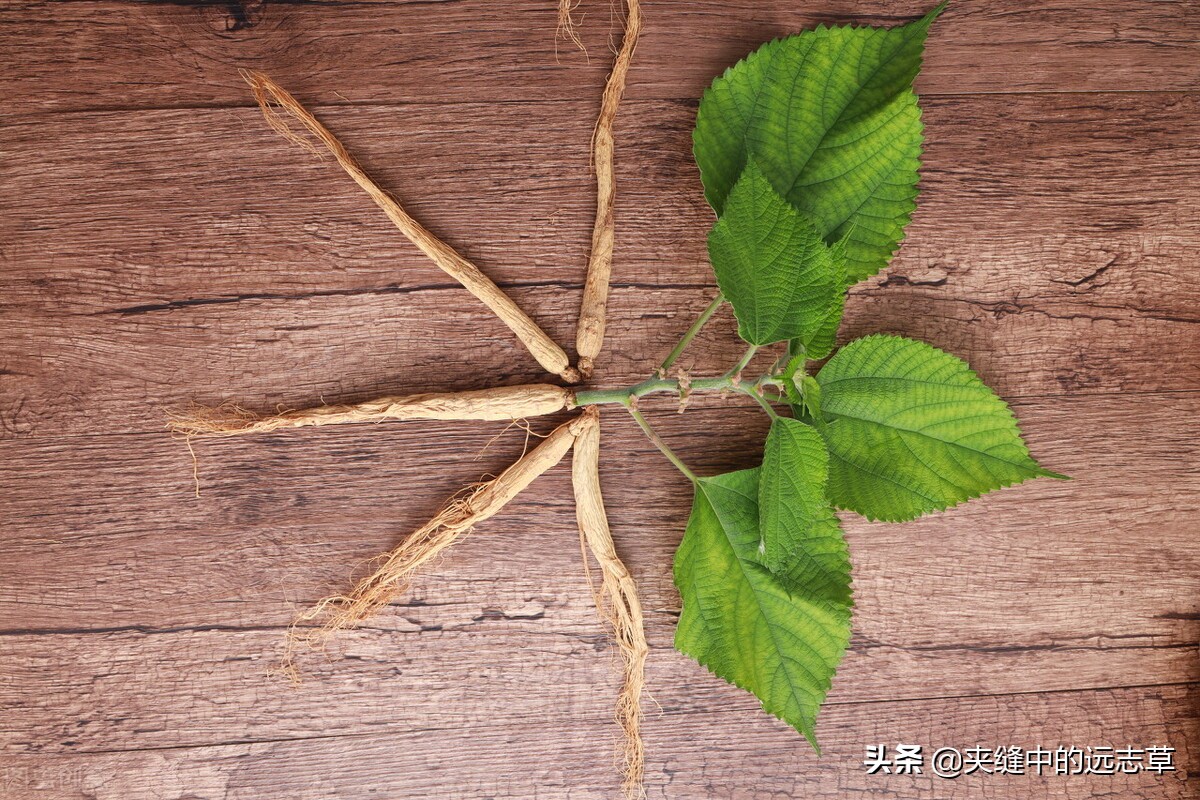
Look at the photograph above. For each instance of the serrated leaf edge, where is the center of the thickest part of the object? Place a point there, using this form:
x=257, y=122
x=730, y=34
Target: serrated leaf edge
x=906, y=219
x=824, y=686
x=1038, y=472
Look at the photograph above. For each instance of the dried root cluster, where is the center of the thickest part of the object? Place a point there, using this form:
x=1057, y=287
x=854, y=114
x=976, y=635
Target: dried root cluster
x=616, y=597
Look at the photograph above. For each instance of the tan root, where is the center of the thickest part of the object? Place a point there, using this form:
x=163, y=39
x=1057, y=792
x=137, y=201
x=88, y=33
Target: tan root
x=568, y=28
x=617, y=599
x=505, y=403
x=272, y=98
x=590, y=334
x=454, y=521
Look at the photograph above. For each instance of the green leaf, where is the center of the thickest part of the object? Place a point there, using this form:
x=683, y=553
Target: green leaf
x=779, y=636
x=823, y=341
x=825, y=338
x=794, y=515
x=772, y=266
x=830, y=117
x=912, y=429
x=810, y=392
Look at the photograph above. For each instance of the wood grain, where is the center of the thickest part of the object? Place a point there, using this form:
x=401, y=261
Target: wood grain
x=534, y=759
x=115, y=373
x=1042, y=253
x=159, y=245
x=1072, y=198
x=108, y=54
x=217, y=580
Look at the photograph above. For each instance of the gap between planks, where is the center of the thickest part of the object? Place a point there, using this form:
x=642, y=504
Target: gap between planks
x=723, y=711
x=317, y=108
x=1015, y=401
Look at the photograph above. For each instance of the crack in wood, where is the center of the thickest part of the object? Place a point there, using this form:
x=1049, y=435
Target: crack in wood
x=172, y=305
x=724, y=710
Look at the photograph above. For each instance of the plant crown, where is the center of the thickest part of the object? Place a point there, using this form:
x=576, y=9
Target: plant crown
x=808, y=150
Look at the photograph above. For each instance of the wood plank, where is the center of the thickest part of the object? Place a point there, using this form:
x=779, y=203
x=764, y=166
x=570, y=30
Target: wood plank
x=70, y=375
x=172, y=248
x=1051, y=266
x=203, y=686
x=1023, y=198
x=137, y=584
x=550, y=757
x=109, y=54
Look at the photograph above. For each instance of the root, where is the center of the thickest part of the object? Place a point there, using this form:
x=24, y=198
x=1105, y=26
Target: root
x=454, y=521
x=568, y=28
x=590, y=334
x=273, y=99
x=195, y=464
x=505, y=403
x=617, y=600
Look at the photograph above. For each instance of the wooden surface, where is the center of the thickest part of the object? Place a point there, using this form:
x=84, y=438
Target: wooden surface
x=160, y=245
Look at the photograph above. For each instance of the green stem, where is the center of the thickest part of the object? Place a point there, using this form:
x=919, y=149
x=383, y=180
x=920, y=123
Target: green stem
x=704, y=317
x=741, y=365
x=762, y=401
x=730, y=381
x=660, y=444
x=627, y=394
